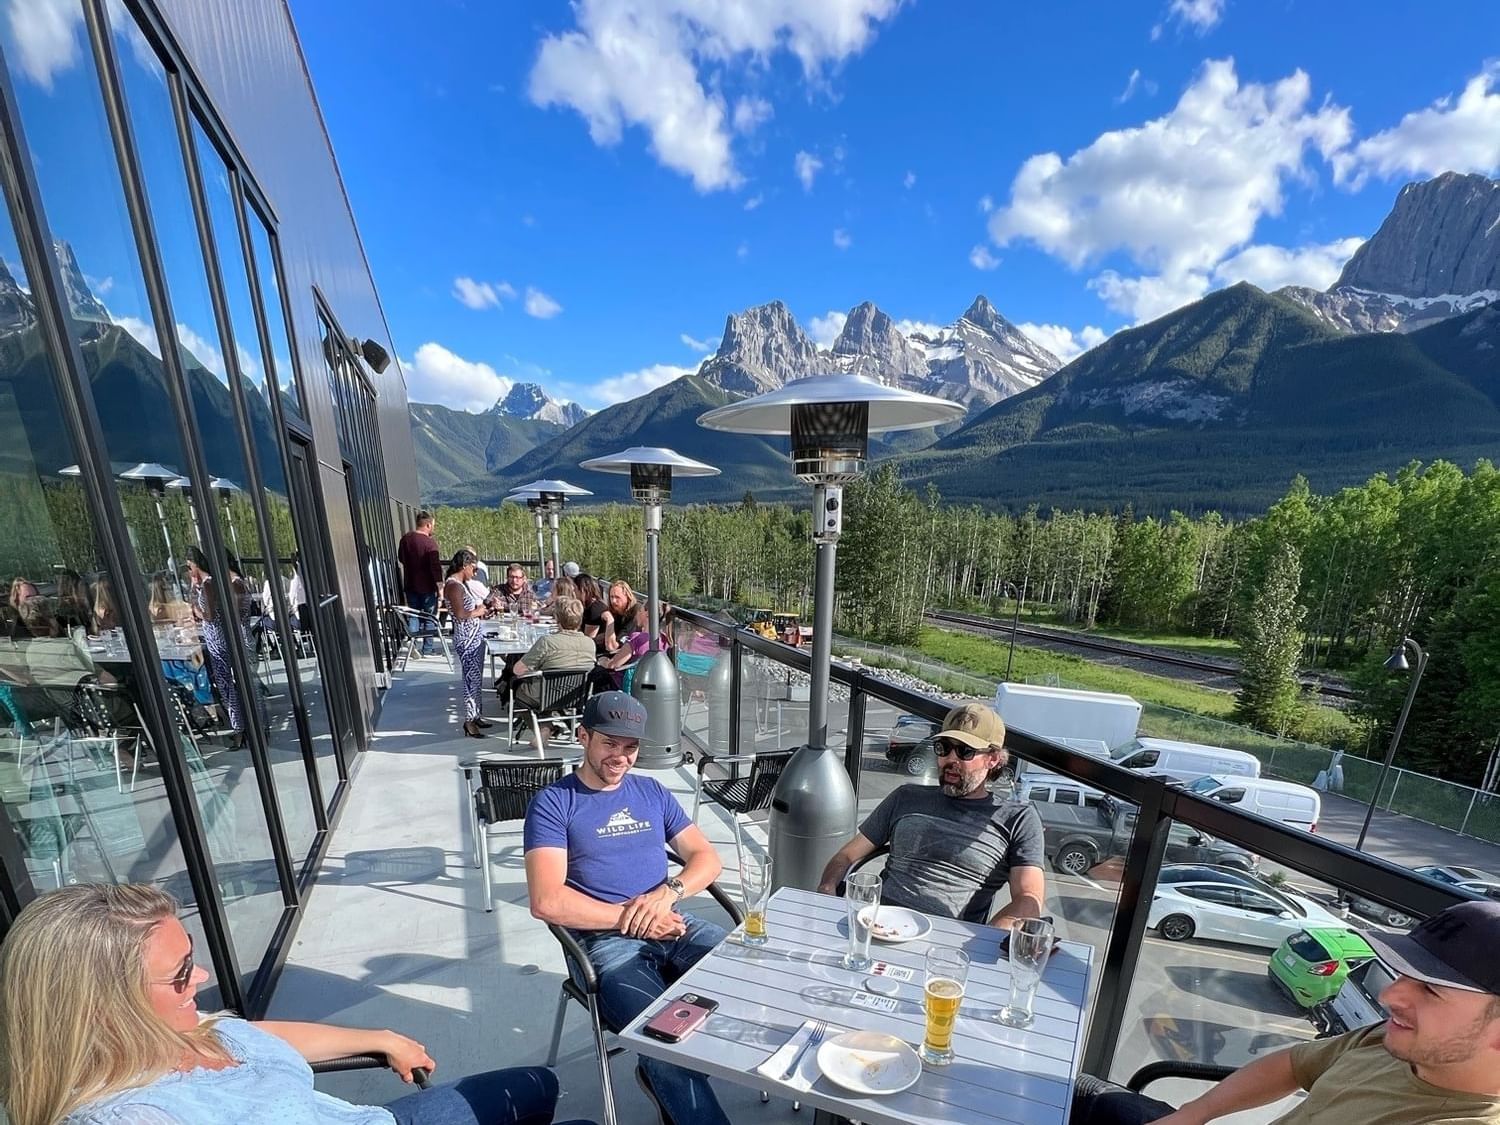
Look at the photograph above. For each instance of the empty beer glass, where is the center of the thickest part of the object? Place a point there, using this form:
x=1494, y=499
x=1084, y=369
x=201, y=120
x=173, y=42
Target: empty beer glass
x=1030, y=946
x=861, y=895
x=947, y=973
x=755, y=886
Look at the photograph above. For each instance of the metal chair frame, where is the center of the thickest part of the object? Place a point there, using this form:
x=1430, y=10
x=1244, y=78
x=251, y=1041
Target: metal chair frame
x=581, y=984
x=504, y=794
x=741, y=794
x=427, y=626
x=91, y=712
x=562, y=691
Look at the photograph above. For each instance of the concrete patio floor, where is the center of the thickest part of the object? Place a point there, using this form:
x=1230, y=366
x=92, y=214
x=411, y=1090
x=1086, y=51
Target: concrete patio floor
x=395, y=934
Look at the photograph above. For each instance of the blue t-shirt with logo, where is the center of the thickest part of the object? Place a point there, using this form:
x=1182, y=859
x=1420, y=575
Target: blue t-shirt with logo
x=616, y=839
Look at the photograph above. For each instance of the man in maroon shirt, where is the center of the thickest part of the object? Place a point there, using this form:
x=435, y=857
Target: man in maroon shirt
x=421, y=569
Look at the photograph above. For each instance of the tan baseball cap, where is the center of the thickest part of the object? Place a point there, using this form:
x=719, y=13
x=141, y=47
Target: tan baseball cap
x=974, y=725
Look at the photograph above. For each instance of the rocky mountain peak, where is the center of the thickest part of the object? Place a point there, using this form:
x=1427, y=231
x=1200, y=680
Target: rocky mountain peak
x=763, y=348
x=81, y=300
x=1441, y=237
x=982, y=313
x=530, y=400
x=16, y=311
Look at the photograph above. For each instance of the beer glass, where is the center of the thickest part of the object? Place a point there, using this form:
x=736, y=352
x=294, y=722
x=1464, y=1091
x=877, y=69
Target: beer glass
x=755, y=886
x=1030, y=946
x=947, y=972
x=861, y=893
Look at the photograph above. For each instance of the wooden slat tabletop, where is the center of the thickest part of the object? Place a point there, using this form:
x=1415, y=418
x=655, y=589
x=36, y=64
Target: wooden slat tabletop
x=999, y=1074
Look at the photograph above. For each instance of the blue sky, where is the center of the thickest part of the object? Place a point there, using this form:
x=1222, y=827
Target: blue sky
x=578, y=194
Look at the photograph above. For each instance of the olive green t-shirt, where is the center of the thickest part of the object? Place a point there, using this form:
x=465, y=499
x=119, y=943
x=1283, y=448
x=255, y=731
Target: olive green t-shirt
x=1352, y=1080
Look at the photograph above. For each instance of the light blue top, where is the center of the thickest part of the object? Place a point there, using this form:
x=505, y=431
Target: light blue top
x=272, y=1085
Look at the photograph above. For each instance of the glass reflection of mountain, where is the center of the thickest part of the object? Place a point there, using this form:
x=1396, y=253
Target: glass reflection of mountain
x=130, y=390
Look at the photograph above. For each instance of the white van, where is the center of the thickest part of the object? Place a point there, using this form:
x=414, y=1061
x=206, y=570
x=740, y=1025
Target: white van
x=1294, y=805
x=1064, y=713
x=1184, y=761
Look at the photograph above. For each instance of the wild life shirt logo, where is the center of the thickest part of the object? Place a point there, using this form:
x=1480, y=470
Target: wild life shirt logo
x=623, y=824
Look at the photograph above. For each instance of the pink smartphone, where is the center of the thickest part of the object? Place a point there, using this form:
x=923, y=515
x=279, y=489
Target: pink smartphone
x=680, y=1018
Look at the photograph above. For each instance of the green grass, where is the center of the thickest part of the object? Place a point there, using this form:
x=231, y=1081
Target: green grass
x=1050, y=617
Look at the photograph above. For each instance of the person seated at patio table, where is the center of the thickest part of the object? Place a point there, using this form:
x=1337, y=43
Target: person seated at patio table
x=594, y=608
x=99, y=1025
x=166, y=605
x=617, y=670
x=1435, y=1059
x=596, y=863
x=516, y=596
x=567, y=648
x=106, y=613
x=543, y=590
x=955, y=845
x=626, y=615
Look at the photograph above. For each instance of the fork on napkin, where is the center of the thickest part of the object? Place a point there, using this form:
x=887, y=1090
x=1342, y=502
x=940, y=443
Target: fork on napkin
x=806, y=1071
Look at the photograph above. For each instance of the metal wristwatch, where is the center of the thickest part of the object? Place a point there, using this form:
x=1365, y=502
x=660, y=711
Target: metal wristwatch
x=675, y=885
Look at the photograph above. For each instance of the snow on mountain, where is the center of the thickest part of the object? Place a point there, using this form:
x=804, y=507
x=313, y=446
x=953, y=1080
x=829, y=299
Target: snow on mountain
x=529, y=400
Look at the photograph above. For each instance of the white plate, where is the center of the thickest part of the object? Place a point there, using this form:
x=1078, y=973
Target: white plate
x=869, y=1062
x=895, y=924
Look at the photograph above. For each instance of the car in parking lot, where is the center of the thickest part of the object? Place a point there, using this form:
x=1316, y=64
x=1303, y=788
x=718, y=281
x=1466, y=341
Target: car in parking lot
x=1232, y=911
x=1474, y=879
x=1312, y=964
x=1357, y=1002
x=1078, y=837
x=909, y=746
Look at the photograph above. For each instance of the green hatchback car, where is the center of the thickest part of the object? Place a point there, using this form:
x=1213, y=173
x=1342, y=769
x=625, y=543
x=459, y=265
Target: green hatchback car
x=1310, y=966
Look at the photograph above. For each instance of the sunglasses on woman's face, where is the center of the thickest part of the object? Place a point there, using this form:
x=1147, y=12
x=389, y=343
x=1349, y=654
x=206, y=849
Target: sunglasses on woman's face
x=182, y=980
x=958, y=750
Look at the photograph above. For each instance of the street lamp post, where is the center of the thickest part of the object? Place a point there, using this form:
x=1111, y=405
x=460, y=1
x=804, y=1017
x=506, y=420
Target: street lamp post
x=551, y=495
x=829, y=419
x=655, y=682
x=1015, y=622
x=1397, y=662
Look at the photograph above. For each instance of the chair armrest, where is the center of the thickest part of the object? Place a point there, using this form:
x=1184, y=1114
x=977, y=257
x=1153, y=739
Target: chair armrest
x=577, y=958
x=373, y=1061
x=1155, y=1072
x=882, y=850
x=714, y=890
x=709, y=759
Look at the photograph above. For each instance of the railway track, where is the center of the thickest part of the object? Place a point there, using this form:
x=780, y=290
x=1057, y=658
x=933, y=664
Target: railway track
x=1063, y=638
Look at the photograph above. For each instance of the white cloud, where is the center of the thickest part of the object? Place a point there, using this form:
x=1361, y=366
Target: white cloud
x=1180, y=192
x=1135, y=85
x=699, y=345
x=45, y=34
x=986, y=204
x=1448, y=136
x=807, y=167
x=1146, y=298
x=742, y=251
x=1063, y=342
x=539, y=305
x=436, y=374
x=656, y=64
x=842, y=238
x=909, y=180
x=1271, y=267
x=143, y=332
x=751, y=113
x=754, y=201
x=633, y=384
x=1200, y=15
x=918, y=327
x=206, y=352
x=481, y=294
x=824, y=330
x=982, y=259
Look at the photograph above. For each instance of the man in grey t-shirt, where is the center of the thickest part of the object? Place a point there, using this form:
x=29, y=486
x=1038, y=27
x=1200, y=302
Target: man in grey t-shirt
x=955, y=845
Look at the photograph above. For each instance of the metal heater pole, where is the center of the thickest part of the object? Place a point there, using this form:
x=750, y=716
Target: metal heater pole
x=161, y=518
x=655, y=681
x=653, y=574
x=541, y=542
x=822, y=642
x=556, y=547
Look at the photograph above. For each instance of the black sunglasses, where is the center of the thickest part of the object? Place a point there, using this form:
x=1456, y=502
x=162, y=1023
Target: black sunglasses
x=958, y=750
x=182, y=980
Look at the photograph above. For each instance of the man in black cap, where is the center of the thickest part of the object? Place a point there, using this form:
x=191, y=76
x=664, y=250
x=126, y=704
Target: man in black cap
x=1435, y=1059
x=596, y=862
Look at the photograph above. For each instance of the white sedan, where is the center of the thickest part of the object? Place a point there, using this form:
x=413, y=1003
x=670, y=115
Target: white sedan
x=1234, y=912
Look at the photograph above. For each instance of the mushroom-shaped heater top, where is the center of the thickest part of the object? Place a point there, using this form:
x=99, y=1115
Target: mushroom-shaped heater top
x=552, y=493
x=651, y=470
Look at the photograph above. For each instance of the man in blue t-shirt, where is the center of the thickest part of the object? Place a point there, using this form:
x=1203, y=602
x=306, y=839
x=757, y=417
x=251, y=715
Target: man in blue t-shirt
x=596, y=862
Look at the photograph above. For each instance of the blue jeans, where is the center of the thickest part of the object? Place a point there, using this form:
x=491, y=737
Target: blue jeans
x=423, y=603
x=518, y=1096
x=633, y=972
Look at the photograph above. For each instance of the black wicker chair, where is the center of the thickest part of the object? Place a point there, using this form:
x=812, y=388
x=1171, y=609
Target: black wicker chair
x=561, y=694
x=581, y=984
x=1096, y=1100
x=419, y=1074
x=504, y=794
x=741, y=793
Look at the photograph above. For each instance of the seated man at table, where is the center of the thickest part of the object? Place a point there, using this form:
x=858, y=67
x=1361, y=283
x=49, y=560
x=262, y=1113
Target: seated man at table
x=567, y=648
x=596, y=862
x=1435, y=1059
x=516, y=596
x=955, y=845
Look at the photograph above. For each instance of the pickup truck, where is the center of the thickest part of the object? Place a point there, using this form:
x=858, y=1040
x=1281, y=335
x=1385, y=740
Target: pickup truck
x=1080, y=837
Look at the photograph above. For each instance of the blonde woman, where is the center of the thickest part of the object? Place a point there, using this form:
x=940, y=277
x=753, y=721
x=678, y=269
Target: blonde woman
x=99, y=1026
x=627, y=614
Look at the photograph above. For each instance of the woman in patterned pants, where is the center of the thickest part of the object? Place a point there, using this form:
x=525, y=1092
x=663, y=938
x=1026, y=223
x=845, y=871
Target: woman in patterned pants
x=468, y=636
x=220, y=630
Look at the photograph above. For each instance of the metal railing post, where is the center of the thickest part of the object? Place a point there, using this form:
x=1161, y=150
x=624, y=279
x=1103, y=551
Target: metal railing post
x=854, y=751
x=1473, y=796
x=1390, y=801
x=735, y=653
x=1148, y=845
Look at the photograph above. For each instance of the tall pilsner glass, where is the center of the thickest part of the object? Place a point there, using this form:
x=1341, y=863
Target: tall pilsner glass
x=755, y=885
x=1030, y=946
x=862, y=896
x=947, y=973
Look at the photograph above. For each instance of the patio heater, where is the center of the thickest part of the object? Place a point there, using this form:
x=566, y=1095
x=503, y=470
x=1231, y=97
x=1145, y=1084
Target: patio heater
x=225, y=489
x=185, y=486
x=551, y=495
x=829, y=419
x=533, y=501
x=655, y=684
x=156, y=478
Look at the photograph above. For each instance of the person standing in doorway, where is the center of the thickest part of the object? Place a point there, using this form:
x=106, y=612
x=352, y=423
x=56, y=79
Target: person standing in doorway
x=421, y=569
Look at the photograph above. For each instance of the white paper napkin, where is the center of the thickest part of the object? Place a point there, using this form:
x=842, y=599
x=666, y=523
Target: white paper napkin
x=807, y=1071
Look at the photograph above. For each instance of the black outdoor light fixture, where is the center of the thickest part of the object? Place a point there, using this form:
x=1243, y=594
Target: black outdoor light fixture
x=829, y=419
x=1396, y=662
x=655, y=682
x=372, y=353
x=550, y=497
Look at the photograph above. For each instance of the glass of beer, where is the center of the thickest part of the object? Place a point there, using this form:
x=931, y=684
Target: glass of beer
x=755, y=887
x=947, y=972
x=1030, y=946
x=862, y=897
